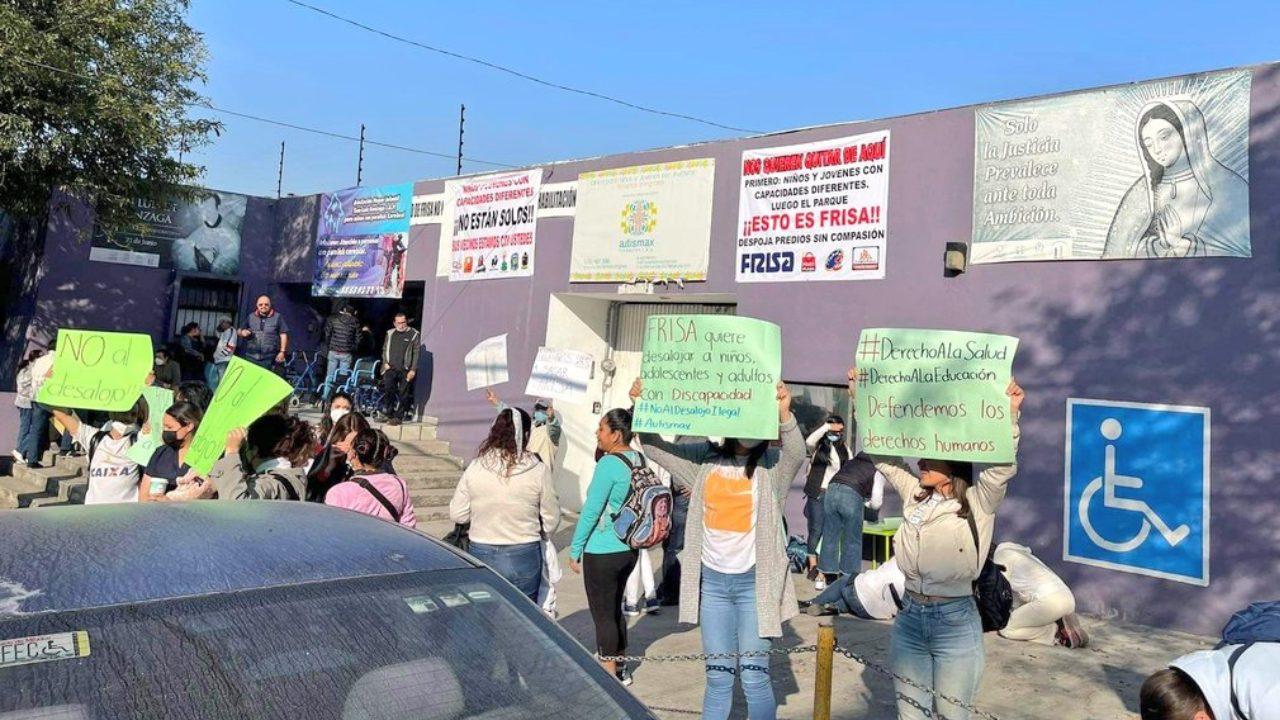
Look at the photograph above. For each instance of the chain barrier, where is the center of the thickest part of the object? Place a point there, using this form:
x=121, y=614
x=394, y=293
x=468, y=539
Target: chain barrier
x=803, y=650
x=928, y=712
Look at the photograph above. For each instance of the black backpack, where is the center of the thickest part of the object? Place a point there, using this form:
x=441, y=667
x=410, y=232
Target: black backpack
x=991, y=590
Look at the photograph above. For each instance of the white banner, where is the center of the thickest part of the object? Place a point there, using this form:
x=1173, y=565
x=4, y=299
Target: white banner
x=560, y=375
x=647, y=221
x=486, y=364
x=427, y=209
x=492, y=224
x=558, y=200
x=817, y=211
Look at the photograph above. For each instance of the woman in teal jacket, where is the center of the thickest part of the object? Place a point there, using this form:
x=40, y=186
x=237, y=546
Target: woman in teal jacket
x=604, y=561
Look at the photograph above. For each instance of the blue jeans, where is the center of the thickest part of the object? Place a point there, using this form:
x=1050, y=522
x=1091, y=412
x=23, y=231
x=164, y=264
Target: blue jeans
x=844, y=596
x=669, y=589
x=938, y=645
x=730, y=624
x=36, y=438
x=842, y=529
x=521, y=565
x=24, y=425
x=814, y=515
x=339, y=364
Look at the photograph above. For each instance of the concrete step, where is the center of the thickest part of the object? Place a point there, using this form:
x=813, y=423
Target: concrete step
x=431, y=480
x=431, y=498
x=15, y=493
x=44, y=479
x=408, y=431
x=427, y=514
x=70, y=490
x=423, y=447
x=51, y=501
x=409, y=464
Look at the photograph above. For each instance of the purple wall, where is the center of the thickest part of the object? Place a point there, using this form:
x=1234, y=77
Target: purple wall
x=1199, y=332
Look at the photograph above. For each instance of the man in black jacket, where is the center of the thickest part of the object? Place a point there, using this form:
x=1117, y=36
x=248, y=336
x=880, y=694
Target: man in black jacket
x=399, y=368
x=341, y=336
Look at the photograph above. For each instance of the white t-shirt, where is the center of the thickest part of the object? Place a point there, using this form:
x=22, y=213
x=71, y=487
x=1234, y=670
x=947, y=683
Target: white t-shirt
x=40, y=367
x=1029, y=578
x=873, y=591
x=729, y=520
x=113, y=477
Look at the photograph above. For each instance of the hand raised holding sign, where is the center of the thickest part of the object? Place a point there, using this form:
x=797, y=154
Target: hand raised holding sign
x=784, y=403
x=235, y=440
x=1016, y=396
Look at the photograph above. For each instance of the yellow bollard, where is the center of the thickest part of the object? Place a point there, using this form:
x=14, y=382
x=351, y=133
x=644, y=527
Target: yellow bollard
x=826, y=659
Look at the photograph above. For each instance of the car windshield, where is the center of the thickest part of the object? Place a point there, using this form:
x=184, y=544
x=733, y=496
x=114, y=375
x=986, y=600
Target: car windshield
x=448, y=645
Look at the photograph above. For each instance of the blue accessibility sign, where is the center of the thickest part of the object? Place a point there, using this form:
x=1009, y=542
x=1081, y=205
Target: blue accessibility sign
x=1137, y=489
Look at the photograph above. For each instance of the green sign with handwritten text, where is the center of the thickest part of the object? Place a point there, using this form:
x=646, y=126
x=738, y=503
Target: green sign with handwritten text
x=935, y=394
x=244, y=395
x=710, y=375
x=97, y=370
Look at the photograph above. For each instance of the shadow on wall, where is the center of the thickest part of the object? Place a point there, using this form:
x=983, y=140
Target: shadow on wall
x=1192, y=332
x=295, y=236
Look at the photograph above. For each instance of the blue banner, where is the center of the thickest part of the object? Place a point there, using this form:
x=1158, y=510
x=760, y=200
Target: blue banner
x=361, y=242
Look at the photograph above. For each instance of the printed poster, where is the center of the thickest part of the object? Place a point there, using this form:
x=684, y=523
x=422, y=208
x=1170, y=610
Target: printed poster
x=1155, y=170
x=201, y=236
x=362, y=242
x=648, y=222
x=935, y=394
x=817, y=211
x=491, y=225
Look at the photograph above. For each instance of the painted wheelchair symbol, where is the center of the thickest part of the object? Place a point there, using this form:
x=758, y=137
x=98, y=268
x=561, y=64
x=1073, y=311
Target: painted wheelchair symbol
x=1110, y=480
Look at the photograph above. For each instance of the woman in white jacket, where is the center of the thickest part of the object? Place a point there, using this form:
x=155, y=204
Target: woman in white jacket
x=1208, y=685
x=507, y=495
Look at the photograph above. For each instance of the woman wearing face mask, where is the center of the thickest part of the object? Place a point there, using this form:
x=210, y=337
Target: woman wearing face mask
x=828, y=453
x=113, y=477
x=937, y=636
x=169, y=463
x=740, y=592
x=276, y=447
x=338, y=407
x=369, y=490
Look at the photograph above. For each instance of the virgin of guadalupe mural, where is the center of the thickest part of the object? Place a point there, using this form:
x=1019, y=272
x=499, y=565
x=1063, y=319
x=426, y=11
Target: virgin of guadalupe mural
x=1187, y=203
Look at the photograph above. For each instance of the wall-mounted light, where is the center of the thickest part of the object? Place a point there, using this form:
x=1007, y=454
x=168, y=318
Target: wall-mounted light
x=956, y=259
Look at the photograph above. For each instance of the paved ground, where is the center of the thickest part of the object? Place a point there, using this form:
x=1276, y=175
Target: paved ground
x=1021, y=681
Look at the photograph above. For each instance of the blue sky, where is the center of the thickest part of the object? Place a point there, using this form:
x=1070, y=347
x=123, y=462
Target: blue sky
x=763, y=66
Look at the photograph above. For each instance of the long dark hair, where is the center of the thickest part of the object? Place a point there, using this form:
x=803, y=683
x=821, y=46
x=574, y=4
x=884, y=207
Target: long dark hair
x=961, y=481
x=280, y=436
x=502, y=437
x=1166, y=113
x=1171, y=693
x=196, y=392
x=728, y=450
x=186, y=413
x=31, y=357
x=326, y=423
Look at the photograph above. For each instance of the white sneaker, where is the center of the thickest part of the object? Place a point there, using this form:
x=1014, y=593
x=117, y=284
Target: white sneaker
x=17, y=457
x=820, y=584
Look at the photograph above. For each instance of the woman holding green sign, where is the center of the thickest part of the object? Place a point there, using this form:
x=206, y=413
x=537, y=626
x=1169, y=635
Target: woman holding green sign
x=937, y=635
x=740, y=590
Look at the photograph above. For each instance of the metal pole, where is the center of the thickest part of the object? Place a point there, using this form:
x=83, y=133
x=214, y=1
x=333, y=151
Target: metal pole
x=826, y=659
x=280, y=175
x=360, y=162
x=462, y=121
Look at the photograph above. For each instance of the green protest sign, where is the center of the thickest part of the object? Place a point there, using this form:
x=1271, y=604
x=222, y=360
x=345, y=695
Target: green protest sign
x=244, y=395
x=158, y=401
x=710, y=375
x=97, y=370
x=935, y=394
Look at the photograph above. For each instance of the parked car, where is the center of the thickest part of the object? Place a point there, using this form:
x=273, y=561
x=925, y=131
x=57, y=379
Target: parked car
x=272, y=610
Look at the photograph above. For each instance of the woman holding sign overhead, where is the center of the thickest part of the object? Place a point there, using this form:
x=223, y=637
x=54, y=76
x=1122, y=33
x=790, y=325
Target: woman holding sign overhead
x=937, y=636
x=740, y=591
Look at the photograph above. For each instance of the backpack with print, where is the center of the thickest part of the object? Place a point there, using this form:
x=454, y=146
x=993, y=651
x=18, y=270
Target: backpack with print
x=644, y=520
x=991, y=591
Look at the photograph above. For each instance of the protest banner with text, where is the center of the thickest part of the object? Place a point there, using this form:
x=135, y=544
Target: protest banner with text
x=560, y=375
x=244, y=395
x=97, y=370
x=935, y=394
x=710, y=375
x=818, y=211
x=362, y=242
x=490, y=225
x=486, y=364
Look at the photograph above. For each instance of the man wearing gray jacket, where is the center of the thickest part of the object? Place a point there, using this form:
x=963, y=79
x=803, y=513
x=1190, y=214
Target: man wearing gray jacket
x=399, y=368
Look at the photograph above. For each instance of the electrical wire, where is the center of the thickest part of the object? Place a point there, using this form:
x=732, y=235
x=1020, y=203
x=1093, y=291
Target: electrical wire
x=517, y=73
